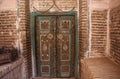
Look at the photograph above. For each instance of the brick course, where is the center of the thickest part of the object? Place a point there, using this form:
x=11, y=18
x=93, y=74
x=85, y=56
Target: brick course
x=24, y=11
x=8, y=30
x=98, y=32
x=115, y=34
x=83, y=31
x=83, y=28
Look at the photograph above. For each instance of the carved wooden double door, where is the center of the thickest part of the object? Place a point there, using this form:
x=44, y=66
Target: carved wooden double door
x=55, y=46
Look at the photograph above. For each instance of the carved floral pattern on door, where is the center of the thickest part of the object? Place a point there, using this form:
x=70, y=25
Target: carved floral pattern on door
x=54, y=46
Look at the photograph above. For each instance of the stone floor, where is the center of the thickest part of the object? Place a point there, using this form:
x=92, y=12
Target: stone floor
x=101, y=68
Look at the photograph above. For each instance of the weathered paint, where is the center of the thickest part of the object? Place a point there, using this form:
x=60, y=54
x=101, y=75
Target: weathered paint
x=33, y=14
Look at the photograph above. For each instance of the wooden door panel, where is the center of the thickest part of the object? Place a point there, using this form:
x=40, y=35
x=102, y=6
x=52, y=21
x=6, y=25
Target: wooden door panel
x=55, y=46
x=45, y=45
x=64, y=45
x=44, y=49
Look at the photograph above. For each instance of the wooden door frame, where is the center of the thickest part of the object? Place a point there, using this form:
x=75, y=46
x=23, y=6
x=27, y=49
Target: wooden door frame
x=32, y=25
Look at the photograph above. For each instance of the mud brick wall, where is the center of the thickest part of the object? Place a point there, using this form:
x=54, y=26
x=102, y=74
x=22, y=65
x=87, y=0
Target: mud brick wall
x=98, y=32
x=115, y=33
x=83, y=27
x=8, y=30
x=24, y=13
x=83, y=31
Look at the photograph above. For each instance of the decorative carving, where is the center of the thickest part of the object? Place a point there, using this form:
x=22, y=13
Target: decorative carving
x=45, y=70
x=50, y=36
x=65, y=69
x=44, y=47
x=60, y=36
x=65, y=24
x=65, y=47
x=44, y=25
x=46, y=5
x=44, y=50
x=41, y=5
x=65, y=5
x=55, y=45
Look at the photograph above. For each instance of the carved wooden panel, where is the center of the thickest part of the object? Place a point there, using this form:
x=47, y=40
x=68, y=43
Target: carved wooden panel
x=45, y=70
x=65, y=69
x=64, y=48
x=45, y=25
x=54, y=41
x=45, y=45
x=44, y=48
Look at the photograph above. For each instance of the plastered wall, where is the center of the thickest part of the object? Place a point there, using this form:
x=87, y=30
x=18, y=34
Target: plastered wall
x=53, y=5
x=5, y=5
x=114, y=3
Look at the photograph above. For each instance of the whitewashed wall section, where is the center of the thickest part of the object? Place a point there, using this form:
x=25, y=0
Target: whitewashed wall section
x=8, y=5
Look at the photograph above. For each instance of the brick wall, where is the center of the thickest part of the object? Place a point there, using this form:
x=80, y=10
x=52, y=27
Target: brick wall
x=83, y=31
x=24, y=12
x=8, y=30
x=83, y=27
x=98, y=32
x=115, y=33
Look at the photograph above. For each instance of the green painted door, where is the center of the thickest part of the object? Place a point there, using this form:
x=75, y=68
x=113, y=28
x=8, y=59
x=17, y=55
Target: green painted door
x=55, y=46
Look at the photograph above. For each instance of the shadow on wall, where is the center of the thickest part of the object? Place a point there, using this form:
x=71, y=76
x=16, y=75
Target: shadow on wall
x=8, y=54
